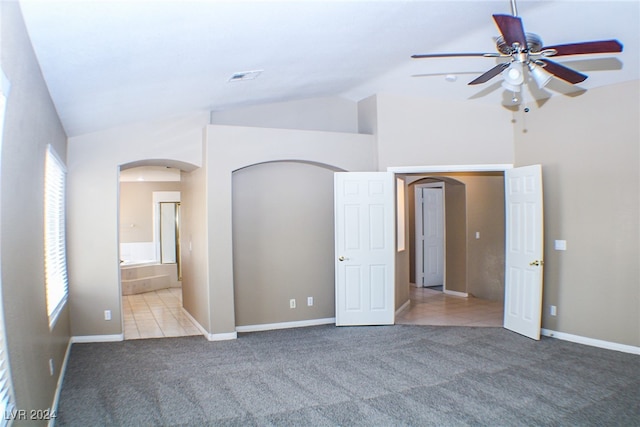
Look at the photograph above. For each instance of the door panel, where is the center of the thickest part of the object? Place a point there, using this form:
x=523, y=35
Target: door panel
x=433, y=236
x=365, y=248
x=524, y=254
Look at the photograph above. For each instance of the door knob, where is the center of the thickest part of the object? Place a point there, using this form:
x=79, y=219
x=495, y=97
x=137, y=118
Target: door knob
x=341, y=258
x=536, y=263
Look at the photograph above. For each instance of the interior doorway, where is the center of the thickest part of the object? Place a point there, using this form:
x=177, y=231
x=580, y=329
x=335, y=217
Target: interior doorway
x=473, y=261
x=149, y=241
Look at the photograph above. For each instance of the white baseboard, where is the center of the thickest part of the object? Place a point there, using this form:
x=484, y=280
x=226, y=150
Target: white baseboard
x=222, y=337
x=56, y=396
x=97, y=338
x=403, y=307
x=456, y=293
x=285, y=325
x=591, y=341
x=206, y=334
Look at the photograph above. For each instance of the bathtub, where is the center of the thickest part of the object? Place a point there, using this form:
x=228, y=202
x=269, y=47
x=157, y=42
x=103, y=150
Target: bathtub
x=140, y=277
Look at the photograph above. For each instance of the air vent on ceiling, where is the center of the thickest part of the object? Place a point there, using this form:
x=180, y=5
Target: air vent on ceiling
x=245, y=75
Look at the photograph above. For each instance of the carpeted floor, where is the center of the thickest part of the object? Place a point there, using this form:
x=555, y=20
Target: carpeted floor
x=372, y=376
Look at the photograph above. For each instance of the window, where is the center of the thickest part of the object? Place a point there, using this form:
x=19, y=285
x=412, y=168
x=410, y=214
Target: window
x=7, y=400
x=55, y=259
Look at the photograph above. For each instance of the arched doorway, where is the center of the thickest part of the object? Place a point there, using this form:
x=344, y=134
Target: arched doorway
x=149, y=247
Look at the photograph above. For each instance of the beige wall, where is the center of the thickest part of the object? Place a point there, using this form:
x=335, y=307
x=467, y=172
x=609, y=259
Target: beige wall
x=456, y=251
x=324, y=114
x=417, y=132
x=485, y=215
x=31, y=122
x=136, y=208
x=283, y=243
x=589, y=150
x=193, y=243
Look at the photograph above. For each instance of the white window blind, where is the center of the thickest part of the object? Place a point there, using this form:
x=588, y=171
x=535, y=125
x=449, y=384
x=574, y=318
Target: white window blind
x=55, y=260
x=7, y=399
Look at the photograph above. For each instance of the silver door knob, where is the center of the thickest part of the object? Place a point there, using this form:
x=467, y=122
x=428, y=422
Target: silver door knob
x=536, y=263
x=341, y=258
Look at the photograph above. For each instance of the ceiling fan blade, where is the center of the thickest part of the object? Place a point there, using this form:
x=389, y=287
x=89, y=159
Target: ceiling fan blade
x=452, y=55
x=562, y=72
x=599, y=46
x=511, y=29
x=483, y=78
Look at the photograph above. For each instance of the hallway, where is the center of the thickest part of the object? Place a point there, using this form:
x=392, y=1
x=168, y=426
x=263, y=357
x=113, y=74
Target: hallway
x=431, y=307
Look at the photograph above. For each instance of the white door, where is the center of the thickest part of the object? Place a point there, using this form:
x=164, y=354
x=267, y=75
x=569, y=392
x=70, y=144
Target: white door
x=432, y=239
x=365, y=248
x=524, y=250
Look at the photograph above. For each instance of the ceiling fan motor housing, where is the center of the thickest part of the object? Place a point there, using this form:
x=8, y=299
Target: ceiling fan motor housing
x=534, y=44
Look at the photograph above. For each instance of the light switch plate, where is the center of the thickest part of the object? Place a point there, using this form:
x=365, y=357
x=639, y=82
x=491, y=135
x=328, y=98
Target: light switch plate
x=560, y=245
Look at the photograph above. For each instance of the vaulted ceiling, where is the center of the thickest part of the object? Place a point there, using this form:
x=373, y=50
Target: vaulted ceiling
x=109, y=63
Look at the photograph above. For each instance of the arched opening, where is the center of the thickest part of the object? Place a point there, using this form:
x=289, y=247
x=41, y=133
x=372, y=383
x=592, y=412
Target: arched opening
x=150, y=250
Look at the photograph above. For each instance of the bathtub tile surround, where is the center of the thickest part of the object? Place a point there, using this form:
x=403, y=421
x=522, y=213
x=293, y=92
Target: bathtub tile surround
x=138, y=252
x=140, y=278
x=156, y=314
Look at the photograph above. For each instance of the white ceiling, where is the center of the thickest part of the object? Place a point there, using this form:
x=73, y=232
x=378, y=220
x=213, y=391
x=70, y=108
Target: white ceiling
x=109, y=63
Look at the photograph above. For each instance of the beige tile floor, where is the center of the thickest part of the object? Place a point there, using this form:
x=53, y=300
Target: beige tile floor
x=430, y=307
x=156, y=314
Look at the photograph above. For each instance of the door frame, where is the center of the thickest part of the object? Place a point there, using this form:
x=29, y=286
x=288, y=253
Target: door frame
x=419, y=255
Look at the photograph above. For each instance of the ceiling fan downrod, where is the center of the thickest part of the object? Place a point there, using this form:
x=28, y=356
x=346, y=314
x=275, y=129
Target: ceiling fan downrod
x=514, y=9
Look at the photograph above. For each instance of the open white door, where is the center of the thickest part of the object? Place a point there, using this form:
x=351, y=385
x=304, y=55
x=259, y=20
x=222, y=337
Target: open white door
x=365, y=248
x=524, y=250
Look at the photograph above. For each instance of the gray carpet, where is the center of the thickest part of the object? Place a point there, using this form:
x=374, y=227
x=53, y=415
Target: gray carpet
x=371, y=376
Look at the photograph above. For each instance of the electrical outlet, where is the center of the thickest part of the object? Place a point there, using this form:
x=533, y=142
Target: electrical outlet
x=107, y=315
x=292, y=303
x=51, y=367
x=309, y=301
x=553, y=310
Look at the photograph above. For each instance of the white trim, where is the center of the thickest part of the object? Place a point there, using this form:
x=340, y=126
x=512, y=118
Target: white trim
x=456, y=293
x=403, y=307
x=206, y=334
x=590, y=341
x=56, y=396
x=97, y=338
x=286, y=325
x=451, y=168
x=223, y=337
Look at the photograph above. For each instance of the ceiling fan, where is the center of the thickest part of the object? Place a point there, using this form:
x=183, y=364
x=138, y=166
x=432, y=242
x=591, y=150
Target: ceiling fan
x=527, y=50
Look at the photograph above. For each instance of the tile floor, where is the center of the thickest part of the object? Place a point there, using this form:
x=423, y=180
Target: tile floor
x=429, y=307
x=155, y=315
x=159, y=314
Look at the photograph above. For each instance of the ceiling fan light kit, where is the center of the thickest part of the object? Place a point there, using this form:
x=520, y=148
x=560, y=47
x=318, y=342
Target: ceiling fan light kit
x=527, y=49
x=540, y=77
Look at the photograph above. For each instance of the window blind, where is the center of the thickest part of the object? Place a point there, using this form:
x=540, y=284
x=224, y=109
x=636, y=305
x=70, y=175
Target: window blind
x=7, y=399
x=55, y=262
